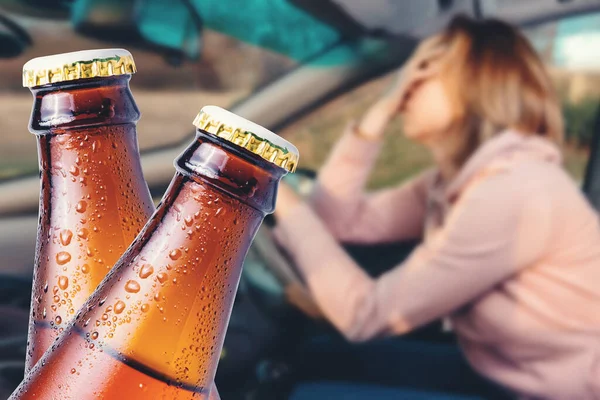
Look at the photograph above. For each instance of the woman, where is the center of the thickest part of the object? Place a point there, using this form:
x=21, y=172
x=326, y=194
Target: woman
x=511, y=250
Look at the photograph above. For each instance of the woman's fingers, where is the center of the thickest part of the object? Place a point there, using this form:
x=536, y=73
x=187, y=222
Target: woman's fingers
x=429, y=47
x=423, y=64
x=416, y=79
x=427, y=62
x=427, y=69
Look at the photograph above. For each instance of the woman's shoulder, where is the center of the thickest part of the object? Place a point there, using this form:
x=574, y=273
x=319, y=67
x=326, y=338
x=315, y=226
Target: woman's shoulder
x=525, y=162
x=539, y=174
x=525, y=183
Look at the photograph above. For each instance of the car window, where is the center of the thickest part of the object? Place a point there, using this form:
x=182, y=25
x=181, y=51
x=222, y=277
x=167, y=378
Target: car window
x=188, y=53
x=569, y=48
x=315, y=135
x=169, y=96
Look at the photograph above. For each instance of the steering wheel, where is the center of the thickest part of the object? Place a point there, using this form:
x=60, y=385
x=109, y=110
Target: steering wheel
x=268, y=275
x=263, y=310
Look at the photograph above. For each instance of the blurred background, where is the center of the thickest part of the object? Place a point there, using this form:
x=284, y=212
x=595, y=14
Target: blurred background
x=206, y=58
x=303, y=68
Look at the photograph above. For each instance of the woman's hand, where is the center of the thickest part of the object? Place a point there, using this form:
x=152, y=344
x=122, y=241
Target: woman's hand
x=419, y=67
x=299, y=296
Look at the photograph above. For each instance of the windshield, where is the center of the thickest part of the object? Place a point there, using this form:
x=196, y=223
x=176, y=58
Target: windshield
x=188, y=54
x=192, y=53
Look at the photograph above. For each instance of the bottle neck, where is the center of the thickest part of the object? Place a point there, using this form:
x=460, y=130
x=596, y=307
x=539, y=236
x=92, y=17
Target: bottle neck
x=87, y=141
x=83, y=104
x=92, y=186
x=84, y=158
x=236, y=171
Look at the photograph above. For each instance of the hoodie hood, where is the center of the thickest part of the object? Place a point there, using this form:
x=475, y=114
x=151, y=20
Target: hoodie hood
x=507, y=147
x=504, y=150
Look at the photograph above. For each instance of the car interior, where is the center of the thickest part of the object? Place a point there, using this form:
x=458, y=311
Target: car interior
x=314, y=69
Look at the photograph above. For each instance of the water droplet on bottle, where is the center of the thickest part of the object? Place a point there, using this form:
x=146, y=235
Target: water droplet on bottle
x=175, y=254
x=119, y=307
x=63, y=282
x=85, y=268
x=145, y=307
x=189, y=220
x=44, y=313
x=82, y=233
x=65, y=237
x=58, y=320
x=102, y=301
x=95, y=335
x=81, y=206
x=74, y=170
x=63, y=257
x=73, y=370
x=46, y=287
x=162, y=277
x=132, y=286
x=146, y=271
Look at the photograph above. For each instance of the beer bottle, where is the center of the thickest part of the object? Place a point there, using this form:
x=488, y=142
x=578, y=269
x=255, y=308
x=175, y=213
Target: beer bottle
x=94, y=200
x=155, y=326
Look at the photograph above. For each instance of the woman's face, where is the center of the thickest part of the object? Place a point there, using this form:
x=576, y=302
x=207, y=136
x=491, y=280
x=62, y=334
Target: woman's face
x=427, y=111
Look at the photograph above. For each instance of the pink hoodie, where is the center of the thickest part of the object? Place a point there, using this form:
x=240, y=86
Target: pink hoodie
x=511, y=254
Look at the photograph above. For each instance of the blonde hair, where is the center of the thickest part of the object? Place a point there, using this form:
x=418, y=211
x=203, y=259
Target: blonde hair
x=497, y=81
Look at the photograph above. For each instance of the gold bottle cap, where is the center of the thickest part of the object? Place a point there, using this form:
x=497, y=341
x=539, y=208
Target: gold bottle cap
x=77, y=65
x=247, y=134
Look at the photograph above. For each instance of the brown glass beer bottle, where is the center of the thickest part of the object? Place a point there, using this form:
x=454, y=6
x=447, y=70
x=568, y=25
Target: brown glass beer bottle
x=154, y=328
x=94, y=200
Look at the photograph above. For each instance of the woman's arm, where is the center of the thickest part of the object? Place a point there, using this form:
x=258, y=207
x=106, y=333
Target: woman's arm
x=355, y=216
x=339, y=198
x=489, y=236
